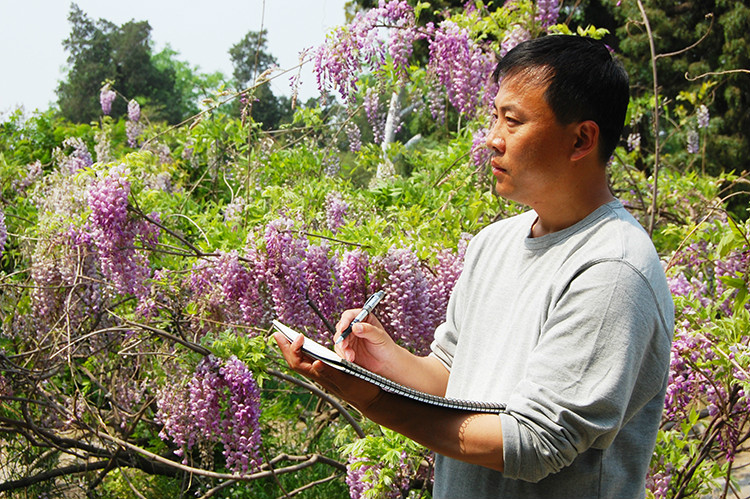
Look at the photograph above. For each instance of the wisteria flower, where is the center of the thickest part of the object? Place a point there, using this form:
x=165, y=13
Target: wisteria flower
x=106, y=98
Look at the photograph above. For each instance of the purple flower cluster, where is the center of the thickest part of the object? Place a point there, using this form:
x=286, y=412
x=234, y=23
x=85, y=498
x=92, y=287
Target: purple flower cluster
x=685, y=382
x=516, y=35
x=406, y=311
x=703, y=276
x=443, y=279
x=415, y=296
x=229, y=290
x=79, y=158
x=321, y=275
x=354, y=136
x=706, y=365
x=133, y=127
x=240, y=430
x=134, y=111
x=353, y=272
x=696, y=374
x=356, y=477
x=547, y=12
x=693, y=141
x=461, y=66
x=376, y=119
x=402, y=32
x=388, y=30
x=336, y=209
x=114, y=234
x=658, y=481
x=331, y=164
x=281, y=274
x=362, y=477
x=106, y=98
x=480, y=153
x=703, y=116
x=285, y=272
x=221, y=404
x=3, y=232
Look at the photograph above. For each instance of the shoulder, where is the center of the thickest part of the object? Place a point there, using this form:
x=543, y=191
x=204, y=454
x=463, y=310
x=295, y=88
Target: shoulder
x=619, y=251
x=617, y=235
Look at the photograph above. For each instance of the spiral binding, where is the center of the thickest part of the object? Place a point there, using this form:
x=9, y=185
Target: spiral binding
x=330, y=357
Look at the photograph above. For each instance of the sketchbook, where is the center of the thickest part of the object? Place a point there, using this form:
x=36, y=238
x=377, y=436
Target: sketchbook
x=318, y=351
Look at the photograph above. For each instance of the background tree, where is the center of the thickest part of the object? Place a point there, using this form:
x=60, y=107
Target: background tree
x=191, y=86
x=90, y=49
x=250, y=59
x=101, y=51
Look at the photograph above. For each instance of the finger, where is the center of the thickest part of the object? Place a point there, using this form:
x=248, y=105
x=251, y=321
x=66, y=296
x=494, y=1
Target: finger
x=371, y=333
x=292, y=352
x=345, y=349
x=346, y=318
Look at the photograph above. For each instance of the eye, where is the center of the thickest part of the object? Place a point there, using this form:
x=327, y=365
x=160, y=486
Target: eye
x=510, y=120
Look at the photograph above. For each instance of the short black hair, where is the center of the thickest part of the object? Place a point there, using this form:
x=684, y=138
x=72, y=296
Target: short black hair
x=585, y=82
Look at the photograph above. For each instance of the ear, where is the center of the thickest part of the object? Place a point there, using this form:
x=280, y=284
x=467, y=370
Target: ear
x=587, y=140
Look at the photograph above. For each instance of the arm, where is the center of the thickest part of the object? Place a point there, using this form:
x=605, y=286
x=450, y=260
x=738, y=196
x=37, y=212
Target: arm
x=471, y=437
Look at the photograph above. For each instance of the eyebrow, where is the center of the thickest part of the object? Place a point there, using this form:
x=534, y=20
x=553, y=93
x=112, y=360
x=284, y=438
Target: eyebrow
x=507, y=107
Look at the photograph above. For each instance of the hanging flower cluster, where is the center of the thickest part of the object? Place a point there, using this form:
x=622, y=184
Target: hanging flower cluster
x=114, y=234
x=461, y=66
x=3, y=232
x=106, y=98
x=386, y=31
x=133, y=128
x=221, y=403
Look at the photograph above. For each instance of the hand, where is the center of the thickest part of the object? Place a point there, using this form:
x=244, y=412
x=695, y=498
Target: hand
x=368, y=345
x=354, y=390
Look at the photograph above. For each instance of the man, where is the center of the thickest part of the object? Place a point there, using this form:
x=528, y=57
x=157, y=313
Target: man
x=562, y=313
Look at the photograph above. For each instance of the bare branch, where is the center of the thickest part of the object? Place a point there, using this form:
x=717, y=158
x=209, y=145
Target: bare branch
x=716, y=73
x=690, y=47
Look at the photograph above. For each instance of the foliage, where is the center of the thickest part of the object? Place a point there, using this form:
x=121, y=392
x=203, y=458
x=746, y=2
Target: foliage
x=694, y=40
x=141, y=263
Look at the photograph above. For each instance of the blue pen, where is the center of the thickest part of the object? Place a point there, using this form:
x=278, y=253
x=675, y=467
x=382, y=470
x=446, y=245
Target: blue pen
x=371, y=302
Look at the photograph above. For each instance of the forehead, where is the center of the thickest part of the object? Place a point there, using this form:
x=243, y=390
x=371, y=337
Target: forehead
x=525, y=88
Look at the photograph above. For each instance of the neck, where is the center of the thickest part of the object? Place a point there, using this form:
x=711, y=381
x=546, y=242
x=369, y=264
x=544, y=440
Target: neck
x=566, y=210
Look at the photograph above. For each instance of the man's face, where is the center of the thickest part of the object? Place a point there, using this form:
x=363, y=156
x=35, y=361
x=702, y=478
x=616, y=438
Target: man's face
x=529, y=147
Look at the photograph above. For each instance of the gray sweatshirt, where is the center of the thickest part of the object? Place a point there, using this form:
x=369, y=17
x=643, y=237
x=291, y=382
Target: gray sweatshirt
x=572, y=331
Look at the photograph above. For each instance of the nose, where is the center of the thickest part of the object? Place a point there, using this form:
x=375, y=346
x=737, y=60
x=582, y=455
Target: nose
x=494, y=141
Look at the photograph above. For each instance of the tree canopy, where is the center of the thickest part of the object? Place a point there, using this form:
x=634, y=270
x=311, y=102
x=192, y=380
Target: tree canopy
x=100, y=51
x=250, y=59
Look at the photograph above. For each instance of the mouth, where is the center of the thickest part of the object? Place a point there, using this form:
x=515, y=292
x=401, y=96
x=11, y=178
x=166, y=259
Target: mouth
x=497, y=169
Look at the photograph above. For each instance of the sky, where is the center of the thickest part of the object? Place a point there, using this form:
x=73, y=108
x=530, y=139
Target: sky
x=32, y=58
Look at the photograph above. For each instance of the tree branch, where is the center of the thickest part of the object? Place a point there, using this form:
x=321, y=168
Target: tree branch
x=717, y=73
x=73, y=469
x=657, y=144
x=320, y=393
